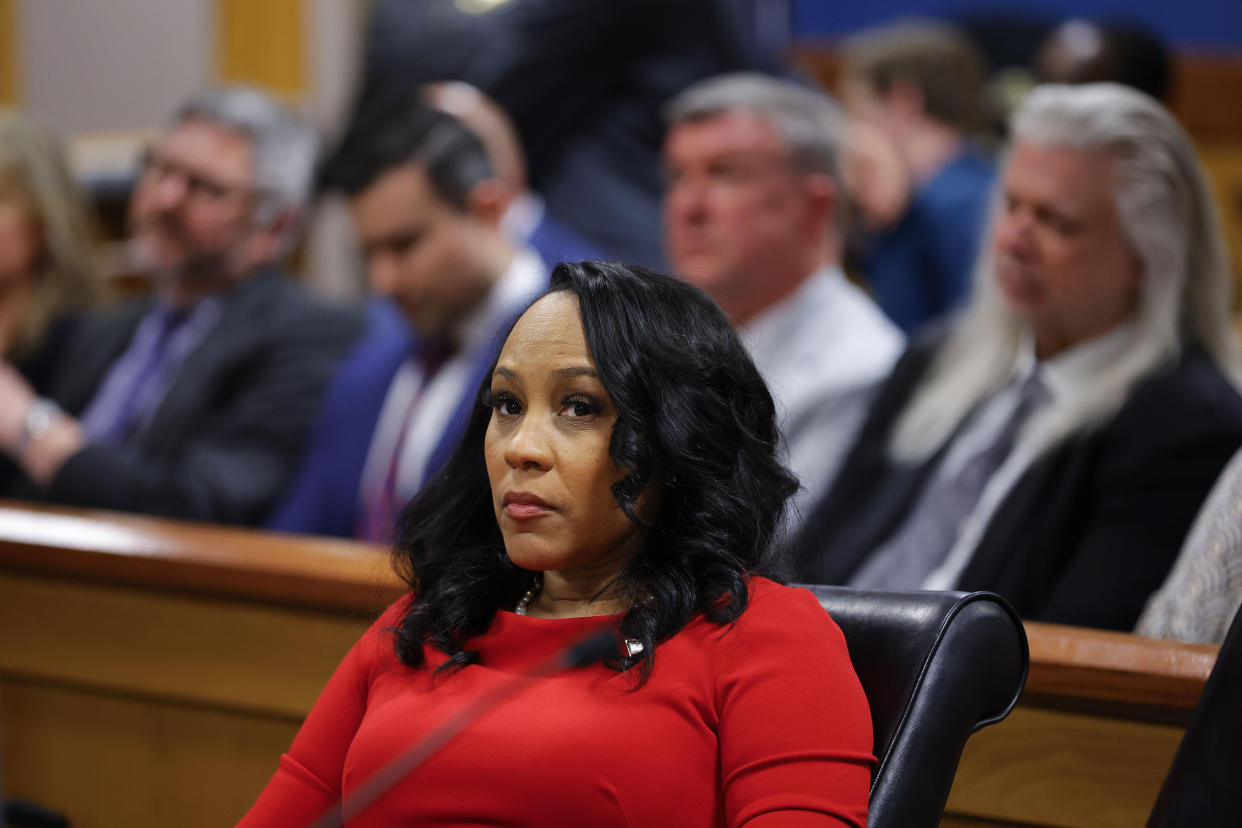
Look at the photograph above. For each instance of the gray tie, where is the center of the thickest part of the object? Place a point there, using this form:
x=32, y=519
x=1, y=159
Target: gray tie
x=931, y=529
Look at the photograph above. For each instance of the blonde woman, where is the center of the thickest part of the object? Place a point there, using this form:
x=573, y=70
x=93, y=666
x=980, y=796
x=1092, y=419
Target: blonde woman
x=47, y=270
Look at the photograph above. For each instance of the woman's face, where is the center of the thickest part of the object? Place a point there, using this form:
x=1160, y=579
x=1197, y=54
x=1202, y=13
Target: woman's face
x=19, y=233
x=547, y=448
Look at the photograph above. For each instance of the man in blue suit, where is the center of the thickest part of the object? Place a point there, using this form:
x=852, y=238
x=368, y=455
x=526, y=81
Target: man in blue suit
x=447, y=281
x=526, y=217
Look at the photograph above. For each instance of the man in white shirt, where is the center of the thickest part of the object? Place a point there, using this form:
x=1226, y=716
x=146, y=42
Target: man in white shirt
x=753, y=216
x=448, y=280
x=1055, y=443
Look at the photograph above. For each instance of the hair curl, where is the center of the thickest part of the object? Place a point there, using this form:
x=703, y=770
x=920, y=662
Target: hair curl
x=397, y=130
x=695, y=421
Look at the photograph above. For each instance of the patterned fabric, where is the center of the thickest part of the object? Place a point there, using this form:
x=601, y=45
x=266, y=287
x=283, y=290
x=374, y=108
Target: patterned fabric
x=1204, y=589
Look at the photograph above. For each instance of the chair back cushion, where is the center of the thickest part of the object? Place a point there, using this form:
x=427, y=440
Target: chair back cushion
x=936, y=666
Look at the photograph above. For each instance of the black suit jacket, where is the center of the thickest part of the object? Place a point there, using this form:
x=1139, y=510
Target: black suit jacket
x=1087, y=533
x=1202, y=786
x=585, y=82
x=229, y=432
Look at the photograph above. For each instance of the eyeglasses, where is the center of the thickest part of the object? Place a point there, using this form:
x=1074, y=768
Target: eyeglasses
x=199, y=186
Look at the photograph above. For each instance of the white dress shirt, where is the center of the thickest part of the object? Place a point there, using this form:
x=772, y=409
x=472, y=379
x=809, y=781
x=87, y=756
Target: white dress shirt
x=522, y=216
x=475, y=334
x=823, y=351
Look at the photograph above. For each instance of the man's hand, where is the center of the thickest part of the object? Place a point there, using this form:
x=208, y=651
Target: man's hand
x=42, y=457
x=16, y=396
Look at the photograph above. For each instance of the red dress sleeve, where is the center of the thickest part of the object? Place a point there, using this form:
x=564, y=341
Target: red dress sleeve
x=795, y=726
x=307, y=782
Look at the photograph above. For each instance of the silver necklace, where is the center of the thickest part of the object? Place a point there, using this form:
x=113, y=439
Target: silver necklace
x=523, y=604
x=632, y=645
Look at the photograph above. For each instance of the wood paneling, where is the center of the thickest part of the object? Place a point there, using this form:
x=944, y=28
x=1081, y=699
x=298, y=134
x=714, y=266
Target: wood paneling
x=959, y=821
x=1206, y=92
x=10, y=53
x=1050, y=768
x=152, y=671
x=304, y=571
x=1222, y=160
x=198, y=651
x=263, y=43
x=110, y=760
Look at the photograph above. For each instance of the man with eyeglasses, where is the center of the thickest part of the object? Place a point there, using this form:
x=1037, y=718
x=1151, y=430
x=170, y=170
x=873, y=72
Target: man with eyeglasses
x=195, y=403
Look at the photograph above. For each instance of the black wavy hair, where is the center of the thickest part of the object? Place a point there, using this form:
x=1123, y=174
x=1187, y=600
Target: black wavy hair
x=400, y=129
x=694, y=420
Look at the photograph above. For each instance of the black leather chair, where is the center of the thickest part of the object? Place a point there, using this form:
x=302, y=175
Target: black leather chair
x=936, y=667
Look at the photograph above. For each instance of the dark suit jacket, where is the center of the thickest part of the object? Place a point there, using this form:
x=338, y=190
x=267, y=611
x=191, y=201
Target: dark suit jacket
x=1202, y=786
x=39, y=366
x=228, y=433
x=1087, y=533
x=584, y=81
x=556, y=242
x=324, y=498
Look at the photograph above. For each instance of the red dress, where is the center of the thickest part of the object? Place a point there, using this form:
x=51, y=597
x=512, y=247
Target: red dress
x=761, y=723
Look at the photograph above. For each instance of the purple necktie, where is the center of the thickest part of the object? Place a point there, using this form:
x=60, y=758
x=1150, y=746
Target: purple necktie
x=380, y=510
x=134, y=405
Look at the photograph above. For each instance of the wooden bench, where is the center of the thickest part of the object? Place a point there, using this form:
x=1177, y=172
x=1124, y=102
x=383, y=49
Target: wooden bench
x=151, y=673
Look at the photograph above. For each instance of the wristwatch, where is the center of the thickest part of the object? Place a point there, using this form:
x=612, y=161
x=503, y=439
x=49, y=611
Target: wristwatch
x=38, y=422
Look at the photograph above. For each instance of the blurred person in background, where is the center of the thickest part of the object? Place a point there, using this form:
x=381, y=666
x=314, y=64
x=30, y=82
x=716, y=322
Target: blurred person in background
x=1054, y=444
x=525, y=218
x=918, y=87
x=1086, y=51
x=47, y=256
x=427, y=209
x=193, y=403
x=584, y=81
x=753, y=215
x=1203, y=592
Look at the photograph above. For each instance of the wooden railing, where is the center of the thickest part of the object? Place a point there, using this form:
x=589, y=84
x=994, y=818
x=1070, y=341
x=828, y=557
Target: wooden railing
x=1092, y=737
x=151, y=672
x=321, y=574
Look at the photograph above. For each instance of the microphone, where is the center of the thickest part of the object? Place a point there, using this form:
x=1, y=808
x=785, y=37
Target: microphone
x=582, y=653
x=590, y=649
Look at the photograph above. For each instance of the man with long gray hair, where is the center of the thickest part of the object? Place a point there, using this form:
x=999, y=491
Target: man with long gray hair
x=753, y=215
x=1056, y=441
x=196, y=402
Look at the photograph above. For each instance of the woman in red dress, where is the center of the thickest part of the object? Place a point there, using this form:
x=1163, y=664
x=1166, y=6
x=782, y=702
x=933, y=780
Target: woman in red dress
x=620, y=474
